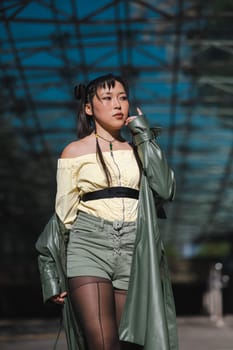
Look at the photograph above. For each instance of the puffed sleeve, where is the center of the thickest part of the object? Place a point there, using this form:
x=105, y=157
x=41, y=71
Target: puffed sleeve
x=160, y=176
x=67, y=197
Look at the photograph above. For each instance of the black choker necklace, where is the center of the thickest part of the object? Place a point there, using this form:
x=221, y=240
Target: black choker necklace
x=109, y=141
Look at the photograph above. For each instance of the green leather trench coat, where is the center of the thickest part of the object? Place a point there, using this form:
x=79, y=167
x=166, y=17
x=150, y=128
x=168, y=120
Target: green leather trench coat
x=149, y=316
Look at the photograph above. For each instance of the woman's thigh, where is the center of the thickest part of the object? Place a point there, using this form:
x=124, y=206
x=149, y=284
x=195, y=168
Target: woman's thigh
x=94, y=305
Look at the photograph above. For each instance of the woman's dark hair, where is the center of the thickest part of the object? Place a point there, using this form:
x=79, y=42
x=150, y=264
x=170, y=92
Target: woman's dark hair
x=85, y=123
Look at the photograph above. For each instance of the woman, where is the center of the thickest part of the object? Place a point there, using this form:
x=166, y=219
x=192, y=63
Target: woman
x=108, y=192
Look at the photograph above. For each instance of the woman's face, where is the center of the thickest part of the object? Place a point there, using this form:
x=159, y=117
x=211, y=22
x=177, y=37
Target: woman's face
x=110, y=108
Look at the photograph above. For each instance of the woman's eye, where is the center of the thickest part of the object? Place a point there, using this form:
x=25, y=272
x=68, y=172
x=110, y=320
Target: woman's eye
x=108, y=98
x=124, y=98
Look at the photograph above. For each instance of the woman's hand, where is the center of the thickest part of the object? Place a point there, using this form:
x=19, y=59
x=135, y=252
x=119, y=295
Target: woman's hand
x=129, y=119
x=60, y=298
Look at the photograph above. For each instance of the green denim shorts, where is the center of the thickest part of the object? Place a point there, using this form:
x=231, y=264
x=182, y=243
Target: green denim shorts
x=101, y=248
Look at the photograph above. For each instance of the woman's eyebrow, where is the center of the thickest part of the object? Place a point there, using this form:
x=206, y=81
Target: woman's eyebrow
x=110, y=93
x=105, y=92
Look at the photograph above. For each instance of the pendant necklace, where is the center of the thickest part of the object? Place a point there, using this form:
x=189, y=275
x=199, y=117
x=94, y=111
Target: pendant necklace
x=109, y=141
x=118, y=169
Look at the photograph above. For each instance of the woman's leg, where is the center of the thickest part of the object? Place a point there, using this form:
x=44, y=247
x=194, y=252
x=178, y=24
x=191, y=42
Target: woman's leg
x=120, y=299
x=94, y=305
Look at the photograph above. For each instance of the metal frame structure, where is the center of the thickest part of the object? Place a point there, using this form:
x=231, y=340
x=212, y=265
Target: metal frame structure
x=177, y=56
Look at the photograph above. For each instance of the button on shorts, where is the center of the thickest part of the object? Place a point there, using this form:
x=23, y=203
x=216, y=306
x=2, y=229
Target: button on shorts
x=101, y=248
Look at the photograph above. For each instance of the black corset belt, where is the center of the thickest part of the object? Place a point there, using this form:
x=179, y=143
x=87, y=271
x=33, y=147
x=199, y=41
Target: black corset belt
x=112, y=192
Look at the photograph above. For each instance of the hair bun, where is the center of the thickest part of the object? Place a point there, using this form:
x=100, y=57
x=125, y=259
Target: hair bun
x=80, y=91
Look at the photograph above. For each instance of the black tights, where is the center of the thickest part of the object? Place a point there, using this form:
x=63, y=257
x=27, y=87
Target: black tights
x=98, y=308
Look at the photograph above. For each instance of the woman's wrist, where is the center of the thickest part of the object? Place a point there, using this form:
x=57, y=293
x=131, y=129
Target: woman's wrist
x=140, y=130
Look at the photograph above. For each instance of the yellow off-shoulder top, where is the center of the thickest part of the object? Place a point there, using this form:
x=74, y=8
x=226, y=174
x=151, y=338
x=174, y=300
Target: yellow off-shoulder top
x=83, y=174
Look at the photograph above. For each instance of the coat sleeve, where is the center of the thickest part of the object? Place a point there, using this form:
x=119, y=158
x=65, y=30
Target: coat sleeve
x=49, y=278
x=155, y=167
x=47, y=263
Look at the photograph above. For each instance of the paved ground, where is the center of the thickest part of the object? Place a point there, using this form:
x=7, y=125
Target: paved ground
x=195, y=333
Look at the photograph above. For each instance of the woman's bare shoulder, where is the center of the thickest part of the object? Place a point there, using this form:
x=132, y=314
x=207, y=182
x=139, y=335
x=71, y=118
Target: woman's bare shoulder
x=79, y=148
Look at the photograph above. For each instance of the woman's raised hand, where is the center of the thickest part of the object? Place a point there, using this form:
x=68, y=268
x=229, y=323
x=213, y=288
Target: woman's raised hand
x=129, y=119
